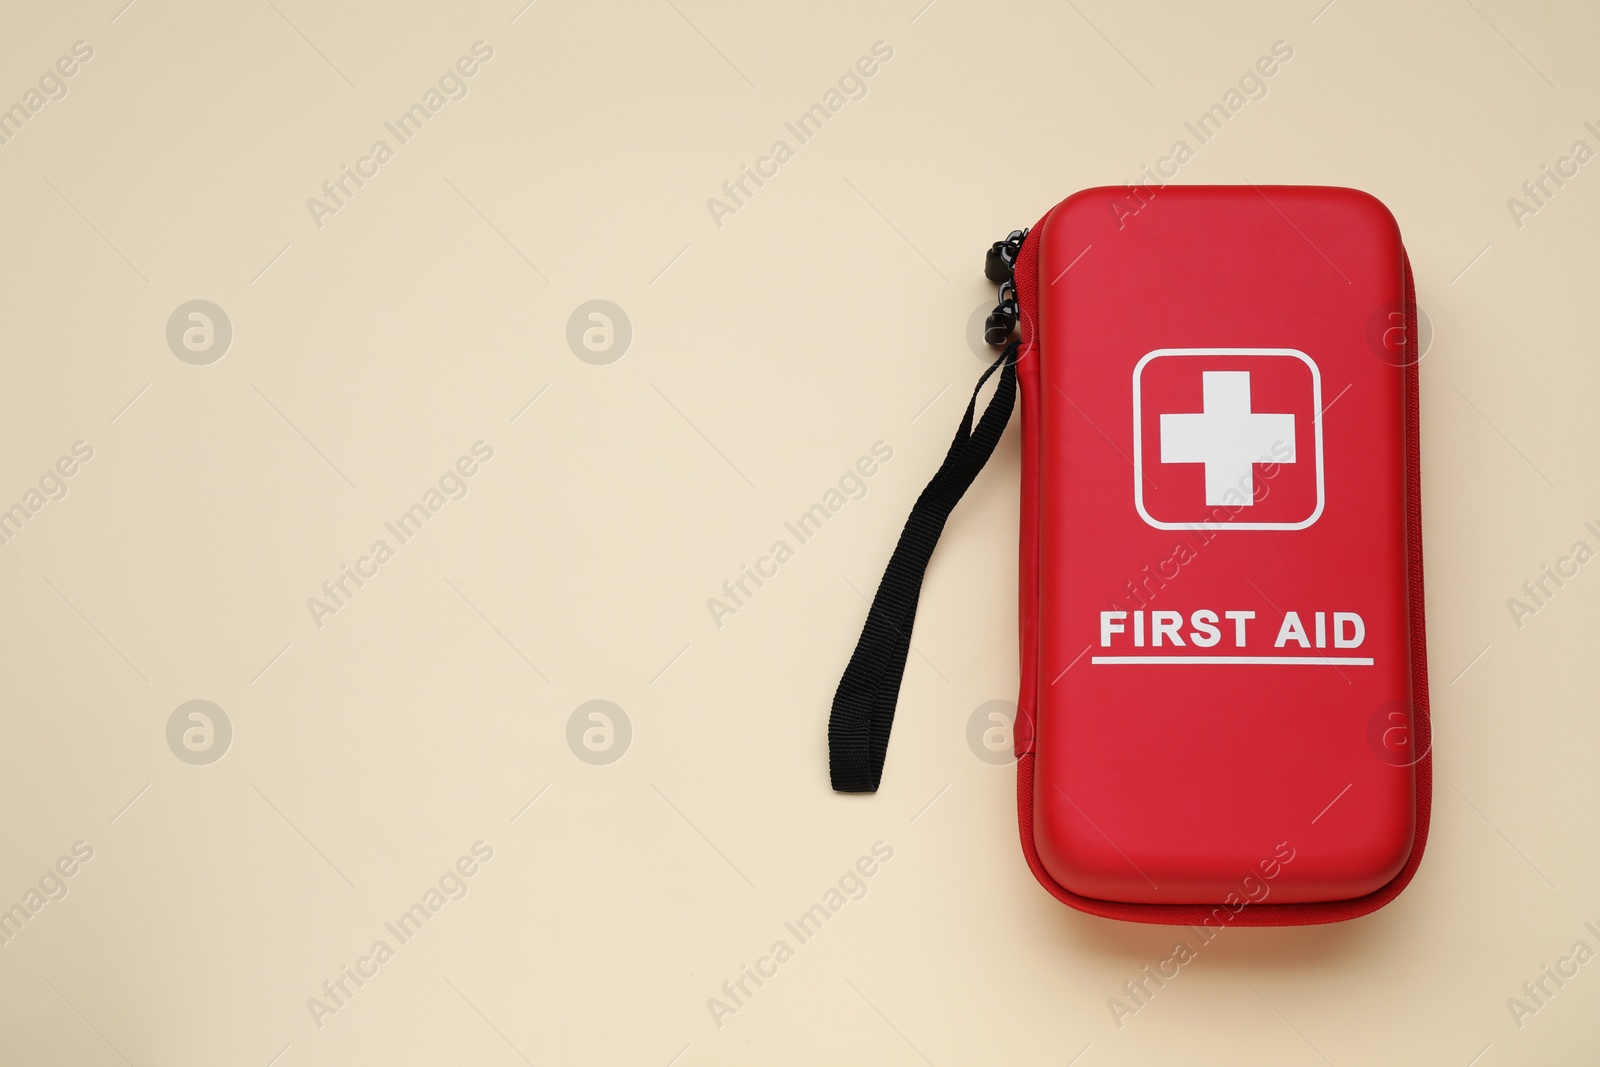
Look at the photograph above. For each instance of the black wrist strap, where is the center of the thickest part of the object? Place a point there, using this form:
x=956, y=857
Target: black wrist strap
x=863, y=707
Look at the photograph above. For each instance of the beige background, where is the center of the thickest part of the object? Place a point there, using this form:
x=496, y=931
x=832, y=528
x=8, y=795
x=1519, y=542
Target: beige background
x=768, y=354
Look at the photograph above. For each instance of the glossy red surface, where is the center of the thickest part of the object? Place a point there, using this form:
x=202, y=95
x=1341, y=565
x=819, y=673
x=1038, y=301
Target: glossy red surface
x=1184, y=779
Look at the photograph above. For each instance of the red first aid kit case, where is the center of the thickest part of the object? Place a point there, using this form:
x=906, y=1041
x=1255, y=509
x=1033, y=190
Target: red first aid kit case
x=1223, y=717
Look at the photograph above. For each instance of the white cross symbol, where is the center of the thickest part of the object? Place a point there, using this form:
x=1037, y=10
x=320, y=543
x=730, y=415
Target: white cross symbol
x=1227, y=437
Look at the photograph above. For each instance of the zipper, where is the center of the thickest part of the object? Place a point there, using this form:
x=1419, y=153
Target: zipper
x=999, y=265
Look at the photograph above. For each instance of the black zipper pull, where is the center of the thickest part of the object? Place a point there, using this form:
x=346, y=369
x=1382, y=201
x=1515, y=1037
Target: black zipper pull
x=1003, y=319
x=998, y=266
x=1002, y=257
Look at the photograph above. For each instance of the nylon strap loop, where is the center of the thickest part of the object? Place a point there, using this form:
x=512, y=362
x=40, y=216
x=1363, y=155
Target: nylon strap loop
x=864, y=705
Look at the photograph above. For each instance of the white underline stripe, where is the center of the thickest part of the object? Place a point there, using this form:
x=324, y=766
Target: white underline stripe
x=1304, y=661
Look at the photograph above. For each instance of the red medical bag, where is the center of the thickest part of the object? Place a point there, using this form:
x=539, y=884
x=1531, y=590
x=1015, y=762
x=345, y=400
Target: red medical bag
x=1223, y=717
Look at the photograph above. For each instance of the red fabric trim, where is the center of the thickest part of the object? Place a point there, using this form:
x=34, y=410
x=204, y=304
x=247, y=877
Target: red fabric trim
x=1299, y=914
x=1025, y=277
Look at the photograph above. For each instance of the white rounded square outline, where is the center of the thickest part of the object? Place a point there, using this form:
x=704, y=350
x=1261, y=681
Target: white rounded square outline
x=1138, y=438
